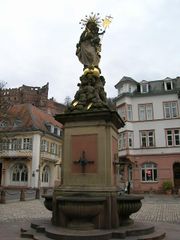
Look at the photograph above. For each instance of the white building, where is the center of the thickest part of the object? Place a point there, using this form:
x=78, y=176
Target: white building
x=30, y=148
x=149, y=144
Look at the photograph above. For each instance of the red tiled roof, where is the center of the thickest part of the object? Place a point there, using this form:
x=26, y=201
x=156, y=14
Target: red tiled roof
x=27, y=117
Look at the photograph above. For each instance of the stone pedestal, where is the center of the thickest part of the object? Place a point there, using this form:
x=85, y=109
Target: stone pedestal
x=95, y=134
x=88, y=195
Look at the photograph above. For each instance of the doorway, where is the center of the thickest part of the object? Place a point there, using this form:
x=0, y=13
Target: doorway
x=176, y=171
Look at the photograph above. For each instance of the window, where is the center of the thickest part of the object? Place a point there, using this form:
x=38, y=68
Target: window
x=122, y=112
x=45, y=174
x=169, y=138
x=48, y=127
x=10, y=144
x=177, y=137
x=19, y=173
x=130, y=139
x=168, y=85
x=44, y=145
x=4, y=144
x=170, y=110
x=125, y=112
x=53, y=149
x=120, y=90
x=145, y=112
x=142, y=112
x=27, y=143
x=16, y=144
x=60, y=132
x=13, y=144
x=149, y=112
x=122, y=140
x=17, y=123
x=126, y=140
x=173, y=137
x=60, y=151
x=144, y=87
x=55, y=130
x=3, y=124
x=147, y=138
x=129, y=112
x=149, y=172
x=19, y=144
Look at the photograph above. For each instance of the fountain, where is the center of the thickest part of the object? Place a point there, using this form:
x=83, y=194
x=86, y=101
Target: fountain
x=87, y=204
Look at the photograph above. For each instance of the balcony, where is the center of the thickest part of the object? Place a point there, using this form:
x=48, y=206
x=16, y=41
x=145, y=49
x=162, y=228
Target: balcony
x=16, y=153
x=50, y=157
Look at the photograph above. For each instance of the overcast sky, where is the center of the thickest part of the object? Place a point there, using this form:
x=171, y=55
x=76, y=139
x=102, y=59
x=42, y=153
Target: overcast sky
x=38, y=42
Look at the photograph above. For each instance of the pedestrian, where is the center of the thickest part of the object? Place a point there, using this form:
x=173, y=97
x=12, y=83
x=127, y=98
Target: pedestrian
x=128, y=187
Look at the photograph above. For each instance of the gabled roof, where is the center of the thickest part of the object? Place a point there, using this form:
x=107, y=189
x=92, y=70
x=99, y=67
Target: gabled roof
x=156, y=87
x=26, y=117
x=125, y=79
x=143, y=81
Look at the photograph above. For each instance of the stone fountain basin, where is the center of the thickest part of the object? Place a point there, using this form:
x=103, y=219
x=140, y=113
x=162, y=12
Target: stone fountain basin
x=127, y=205
x=48, y=201
x=81, y=206
x=82, y=210
x=130, y=203
x=76, y=202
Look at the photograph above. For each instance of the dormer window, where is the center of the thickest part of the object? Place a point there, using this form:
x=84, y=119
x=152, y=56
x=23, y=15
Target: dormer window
x=144, y=87
x=56, y=131
x=120, y=90
x=168, y=85
x=53, y=129
x=49, y=128
x=3, y=124
x=17, y=123
x=60, y=132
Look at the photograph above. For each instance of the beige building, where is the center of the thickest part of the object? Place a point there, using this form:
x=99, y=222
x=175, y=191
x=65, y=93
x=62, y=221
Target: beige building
x=30, y=148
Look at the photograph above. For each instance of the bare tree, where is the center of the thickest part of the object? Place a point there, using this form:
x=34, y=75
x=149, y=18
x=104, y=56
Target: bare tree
x=2, y=109
x=111, y=103
x=67, y=101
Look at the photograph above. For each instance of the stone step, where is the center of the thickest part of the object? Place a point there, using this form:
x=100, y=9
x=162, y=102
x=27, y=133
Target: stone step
x=153, y=236
x=157, y=235
x=138, y=231
x=32, y=234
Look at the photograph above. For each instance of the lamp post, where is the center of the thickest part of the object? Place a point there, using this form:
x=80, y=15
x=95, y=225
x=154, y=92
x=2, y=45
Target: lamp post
x=39, y=183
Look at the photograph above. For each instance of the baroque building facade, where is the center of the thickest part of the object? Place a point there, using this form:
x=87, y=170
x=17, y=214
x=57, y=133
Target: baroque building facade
x=149, y=143
x=30, y=148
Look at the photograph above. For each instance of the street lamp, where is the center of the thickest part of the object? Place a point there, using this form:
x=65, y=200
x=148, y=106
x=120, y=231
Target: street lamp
x=39, y=184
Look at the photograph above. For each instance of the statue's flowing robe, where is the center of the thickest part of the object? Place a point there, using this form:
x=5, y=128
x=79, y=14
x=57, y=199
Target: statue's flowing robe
x=87, y=54
x=87, y=50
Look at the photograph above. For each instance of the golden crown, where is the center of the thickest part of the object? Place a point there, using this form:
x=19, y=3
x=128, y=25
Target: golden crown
x=95, y=18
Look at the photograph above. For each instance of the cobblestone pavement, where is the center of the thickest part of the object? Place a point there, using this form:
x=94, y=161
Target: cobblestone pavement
x=165, y=210
x=155, y=208
x=27, y=210
x=159, y=208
